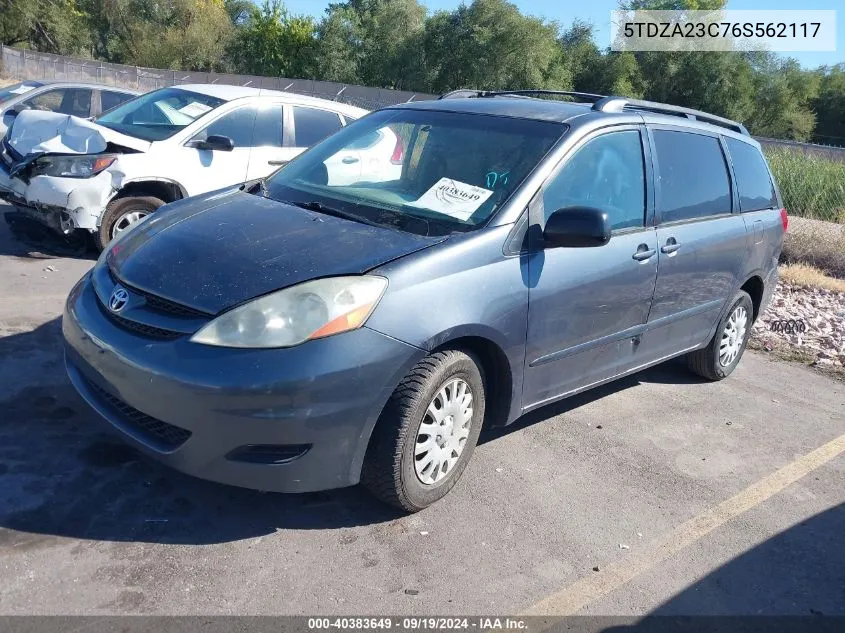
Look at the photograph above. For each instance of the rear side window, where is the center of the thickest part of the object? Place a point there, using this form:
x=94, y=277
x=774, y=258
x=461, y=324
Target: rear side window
x=110, y=99
x=693, y=176
x=753, y=181
x=313, y=125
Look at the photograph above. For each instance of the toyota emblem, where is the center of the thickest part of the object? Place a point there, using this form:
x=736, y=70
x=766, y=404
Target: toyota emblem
x=118, y=300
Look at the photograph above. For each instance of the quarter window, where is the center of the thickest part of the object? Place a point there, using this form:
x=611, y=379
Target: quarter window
x=607, y=173
x=313, y=125
x=753, y=181
x=693, y=176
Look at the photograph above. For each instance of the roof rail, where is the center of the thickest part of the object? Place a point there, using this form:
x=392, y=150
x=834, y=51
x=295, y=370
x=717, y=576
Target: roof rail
x=468, y=94
x=618, y=104
x=603, y=103
x=459, y=94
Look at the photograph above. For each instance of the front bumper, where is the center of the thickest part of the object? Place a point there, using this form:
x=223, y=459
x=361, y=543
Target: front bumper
x=323, y=397
x=63, y=204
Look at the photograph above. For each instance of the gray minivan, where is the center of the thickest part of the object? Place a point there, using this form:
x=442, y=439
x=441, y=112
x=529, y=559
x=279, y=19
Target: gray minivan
x=297, y=334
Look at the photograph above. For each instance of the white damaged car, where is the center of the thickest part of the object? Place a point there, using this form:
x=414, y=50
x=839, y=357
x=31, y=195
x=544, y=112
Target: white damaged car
x=105, y=175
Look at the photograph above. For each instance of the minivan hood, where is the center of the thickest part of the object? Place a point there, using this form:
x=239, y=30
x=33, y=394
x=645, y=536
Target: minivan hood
x=221, y=249
x=39, y=132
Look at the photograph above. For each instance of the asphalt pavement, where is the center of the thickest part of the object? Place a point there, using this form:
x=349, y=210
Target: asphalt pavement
x=660, y=493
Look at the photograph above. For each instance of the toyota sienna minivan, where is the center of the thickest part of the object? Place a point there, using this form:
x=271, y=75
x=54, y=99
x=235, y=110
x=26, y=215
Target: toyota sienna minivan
x=296, y=334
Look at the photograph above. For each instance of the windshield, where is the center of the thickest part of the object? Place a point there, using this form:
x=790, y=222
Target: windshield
x=422, y=171
x=16, y=90
x=160, y=114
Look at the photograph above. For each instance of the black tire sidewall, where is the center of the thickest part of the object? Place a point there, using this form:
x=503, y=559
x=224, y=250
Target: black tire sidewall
x=459, y=366
x=743, y=299
x=118, y=208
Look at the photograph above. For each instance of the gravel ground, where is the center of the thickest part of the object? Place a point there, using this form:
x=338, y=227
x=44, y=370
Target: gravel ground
x=817, y=319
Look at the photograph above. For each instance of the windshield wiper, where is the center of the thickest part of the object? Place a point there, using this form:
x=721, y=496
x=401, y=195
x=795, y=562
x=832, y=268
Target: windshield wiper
x=319, y=207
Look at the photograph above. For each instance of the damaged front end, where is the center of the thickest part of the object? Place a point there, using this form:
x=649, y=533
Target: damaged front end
x=62, y=170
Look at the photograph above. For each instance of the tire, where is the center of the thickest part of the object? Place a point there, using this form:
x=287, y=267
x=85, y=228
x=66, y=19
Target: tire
x=710, y=362
x=119, y=209
x=390, y=470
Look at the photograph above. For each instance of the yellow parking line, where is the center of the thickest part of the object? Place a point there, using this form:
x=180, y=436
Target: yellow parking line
x=579, y=594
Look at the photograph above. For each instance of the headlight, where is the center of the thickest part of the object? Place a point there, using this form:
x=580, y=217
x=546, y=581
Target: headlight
x=310, y=310
x=72, y=166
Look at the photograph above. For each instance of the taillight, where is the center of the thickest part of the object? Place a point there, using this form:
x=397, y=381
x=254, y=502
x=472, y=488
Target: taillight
x=398, y=152
x=784, y=218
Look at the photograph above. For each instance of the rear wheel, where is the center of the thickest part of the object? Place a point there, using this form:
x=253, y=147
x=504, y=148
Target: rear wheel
x=123, y=213
x=427, y=432
x=722, y=354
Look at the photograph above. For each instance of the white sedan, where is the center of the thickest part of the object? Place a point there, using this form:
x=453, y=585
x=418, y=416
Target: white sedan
x=104, y=176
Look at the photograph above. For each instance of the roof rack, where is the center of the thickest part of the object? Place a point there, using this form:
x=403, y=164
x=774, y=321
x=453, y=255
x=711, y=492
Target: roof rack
x=618, y=104
x=468, y=94
x=604, y=103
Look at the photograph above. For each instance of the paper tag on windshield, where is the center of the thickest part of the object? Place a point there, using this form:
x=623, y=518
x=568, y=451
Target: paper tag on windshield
x=453, y=198
x=195, y=109
x=21, y=90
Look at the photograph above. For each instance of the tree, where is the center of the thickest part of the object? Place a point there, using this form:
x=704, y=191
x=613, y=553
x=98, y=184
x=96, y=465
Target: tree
x=274, y=43
x=596, y=71
x=339, y=45
x=782, y=96
x=53, y=26
x=173, y=34
x=830, y=106
x=489, y=44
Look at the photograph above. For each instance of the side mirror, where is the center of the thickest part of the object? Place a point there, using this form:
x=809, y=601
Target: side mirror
x=215, y=142
x=577, y=227
x=9, y=117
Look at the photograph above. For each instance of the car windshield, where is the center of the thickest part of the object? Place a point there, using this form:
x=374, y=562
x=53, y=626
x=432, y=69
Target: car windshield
x=160, y=114
x=16, y=90
x=427, y=172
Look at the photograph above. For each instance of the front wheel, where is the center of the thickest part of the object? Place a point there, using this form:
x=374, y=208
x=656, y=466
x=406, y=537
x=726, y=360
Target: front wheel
x=427, y=431
x=722, y=354
x=123, y=213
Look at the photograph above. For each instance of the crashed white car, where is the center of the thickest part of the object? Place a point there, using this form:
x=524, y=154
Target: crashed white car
x=104, y=176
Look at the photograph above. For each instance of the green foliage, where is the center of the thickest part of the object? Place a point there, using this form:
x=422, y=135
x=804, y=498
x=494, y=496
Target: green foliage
x=830, y=106
x=54, y=26
x=272, y=42
x=173, y=34
x=483, y=44
x=489, y=44
x=811, y=186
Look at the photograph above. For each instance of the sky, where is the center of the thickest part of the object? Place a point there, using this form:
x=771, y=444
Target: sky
x=597, y=12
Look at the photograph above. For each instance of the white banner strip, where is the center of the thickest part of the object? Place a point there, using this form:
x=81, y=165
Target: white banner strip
x=731, y=30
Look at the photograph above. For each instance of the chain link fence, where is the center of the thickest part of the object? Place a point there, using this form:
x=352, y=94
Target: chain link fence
x=24, y=64
x=811, y=178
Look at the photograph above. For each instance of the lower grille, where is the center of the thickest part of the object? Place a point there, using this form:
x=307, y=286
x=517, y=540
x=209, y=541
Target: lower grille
x=165, y=435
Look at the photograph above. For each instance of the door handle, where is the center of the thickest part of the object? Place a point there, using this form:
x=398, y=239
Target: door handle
x=670, y=247
x=277, y=162
x=349, y=160
x=644, y=252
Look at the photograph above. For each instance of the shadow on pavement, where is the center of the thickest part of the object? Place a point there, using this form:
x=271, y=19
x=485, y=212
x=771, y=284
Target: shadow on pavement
x=35, y=241
x=62, y=472
x=787, y=583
